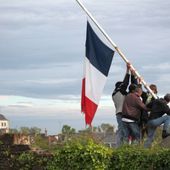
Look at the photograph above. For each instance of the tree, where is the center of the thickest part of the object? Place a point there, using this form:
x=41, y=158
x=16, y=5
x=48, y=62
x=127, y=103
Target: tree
x=24, y=130
x=107, y=127
x=13, y=131
x=110, y=129
x=41, y=142
x=94, y=129
x=34, y=130
x=66, y=129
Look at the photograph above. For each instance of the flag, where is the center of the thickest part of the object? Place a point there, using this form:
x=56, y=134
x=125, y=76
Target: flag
x=96, y=68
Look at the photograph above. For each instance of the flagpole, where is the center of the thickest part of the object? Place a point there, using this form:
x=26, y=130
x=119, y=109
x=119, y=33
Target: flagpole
x=115, y=46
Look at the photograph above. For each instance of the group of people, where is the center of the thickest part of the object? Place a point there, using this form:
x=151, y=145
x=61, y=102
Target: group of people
x=138, y=111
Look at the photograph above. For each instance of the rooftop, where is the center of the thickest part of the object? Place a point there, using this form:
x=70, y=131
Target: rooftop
x=2, y=117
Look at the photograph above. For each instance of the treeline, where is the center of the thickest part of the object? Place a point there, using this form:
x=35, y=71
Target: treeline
x=104, y=127
x=66, y=129
x=26, y=130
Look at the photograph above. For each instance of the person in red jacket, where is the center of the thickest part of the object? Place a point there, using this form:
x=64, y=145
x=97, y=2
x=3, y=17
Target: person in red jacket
x=132, y=108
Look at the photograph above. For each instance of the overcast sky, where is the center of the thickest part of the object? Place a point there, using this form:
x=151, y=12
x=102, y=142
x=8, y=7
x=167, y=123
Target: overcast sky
x=42, y=49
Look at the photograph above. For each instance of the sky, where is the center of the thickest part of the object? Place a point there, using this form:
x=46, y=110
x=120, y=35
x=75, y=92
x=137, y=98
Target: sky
x=42, y=48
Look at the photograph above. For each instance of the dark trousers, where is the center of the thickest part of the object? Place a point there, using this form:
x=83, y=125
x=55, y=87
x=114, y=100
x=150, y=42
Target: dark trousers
x=131, y=129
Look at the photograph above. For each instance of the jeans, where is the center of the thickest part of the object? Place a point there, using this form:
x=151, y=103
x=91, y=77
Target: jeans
x=152, y=125
x=131, y=129
x=119, y=134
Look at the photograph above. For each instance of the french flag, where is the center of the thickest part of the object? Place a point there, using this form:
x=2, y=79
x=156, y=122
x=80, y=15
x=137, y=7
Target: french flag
x=98, y=60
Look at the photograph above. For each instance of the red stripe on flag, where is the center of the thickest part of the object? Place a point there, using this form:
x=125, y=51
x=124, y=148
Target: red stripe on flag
x=83, y=96
x=87, y=106
x=90, y=110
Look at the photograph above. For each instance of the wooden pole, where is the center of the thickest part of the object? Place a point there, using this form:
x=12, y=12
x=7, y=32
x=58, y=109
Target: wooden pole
x=115, y=47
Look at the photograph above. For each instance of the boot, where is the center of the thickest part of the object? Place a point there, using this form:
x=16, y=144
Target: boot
x=165, y=134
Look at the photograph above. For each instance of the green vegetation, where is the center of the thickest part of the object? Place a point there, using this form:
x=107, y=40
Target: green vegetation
x=40, y=142
x=137, y=158
x=81, y=153
x=84, y=153
x=26, y=130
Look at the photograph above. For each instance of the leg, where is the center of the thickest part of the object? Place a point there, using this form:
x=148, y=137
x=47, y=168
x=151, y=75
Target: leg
x=126, y=132
x=166, y=121
x=119, y=136
x=150, y=136
x=161, y=120
x=135, y=130
x=166, y=127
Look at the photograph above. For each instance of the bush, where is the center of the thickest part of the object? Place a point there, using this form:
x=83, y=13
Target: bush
x=97, y=157
x=29, y=161
x=86, y=154
x=79, y=154
x=140, y=159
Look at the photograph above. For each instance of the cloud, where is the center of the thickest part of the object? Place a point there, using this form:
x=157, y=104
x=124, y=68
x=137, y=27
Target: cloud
x=46, y=82
x=21, y=14
x=161, y=67
x=42, y=46
x=44, y=113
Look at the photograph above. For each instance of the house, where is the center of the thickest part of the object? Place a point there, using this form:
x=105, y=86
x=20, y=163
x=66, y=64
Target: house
x=4, y=124
x=21, y=139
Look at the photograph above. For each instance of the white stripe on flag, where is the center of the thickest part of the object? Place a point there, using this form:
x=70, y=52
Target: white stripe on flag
x=94, y=83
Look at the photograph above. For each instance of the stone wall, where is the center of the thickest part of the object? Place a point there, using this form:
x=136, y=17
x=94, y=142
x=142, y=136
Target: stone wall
x=5, y=154
x=18, y=139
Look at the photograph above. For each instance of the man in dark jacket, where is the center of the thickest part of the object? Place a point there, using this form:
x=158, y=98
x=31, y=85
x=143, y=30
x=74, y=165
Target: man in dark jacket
x=147, y=98
x=159, y=108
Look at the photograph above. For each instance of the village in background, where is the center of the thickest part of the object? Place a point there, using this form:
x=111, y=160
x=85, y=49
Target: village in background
x=39, y=141
x=34, y=139
x=15, y=142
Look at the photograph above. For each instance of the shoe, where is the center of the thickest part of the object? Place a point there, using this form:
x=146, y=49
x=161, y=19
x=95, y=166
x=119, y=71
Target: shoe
x=165, y=134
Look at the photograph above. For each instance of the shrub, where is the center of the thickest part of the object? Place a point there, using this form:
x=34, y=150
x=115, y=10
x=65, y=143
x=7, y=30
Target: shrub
x=79, y=154
x=29, y=161
x=140, y=159
x=85, y=154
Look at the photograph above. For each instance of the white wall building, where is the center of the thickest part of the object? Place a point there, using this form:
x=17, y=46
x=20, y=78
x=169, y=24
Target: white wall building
x=4, y=124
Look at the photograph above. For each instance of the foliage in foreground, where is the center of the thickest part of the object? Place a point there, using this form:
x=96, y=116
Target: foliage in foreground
x=86, y=154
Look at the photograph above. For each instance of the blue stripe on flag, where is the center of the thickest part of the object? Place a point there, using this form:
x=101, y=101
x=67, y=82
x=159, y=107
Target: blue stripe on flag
x=99, y=55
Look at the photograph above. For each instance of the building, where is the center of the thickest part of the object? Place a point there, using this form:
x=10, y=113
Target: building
x=4, y=124
x=21, y=139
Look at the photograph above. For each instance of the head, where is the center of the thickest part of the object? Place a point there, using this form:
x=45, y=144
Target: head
x=138, y=91
x=153, y=88
x=132, y=88
x=118, y=84
x=167, y=97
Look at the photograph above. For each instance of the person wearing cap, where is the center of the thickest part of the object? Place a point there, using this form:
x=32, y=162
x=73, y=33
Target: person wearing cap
x=118, y=97
x=159, y=107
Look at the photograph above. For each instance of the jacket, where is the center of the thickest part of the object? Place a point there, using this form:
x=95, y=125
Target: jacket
x=158, y=108
x=119, y=94
x=133, y=106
